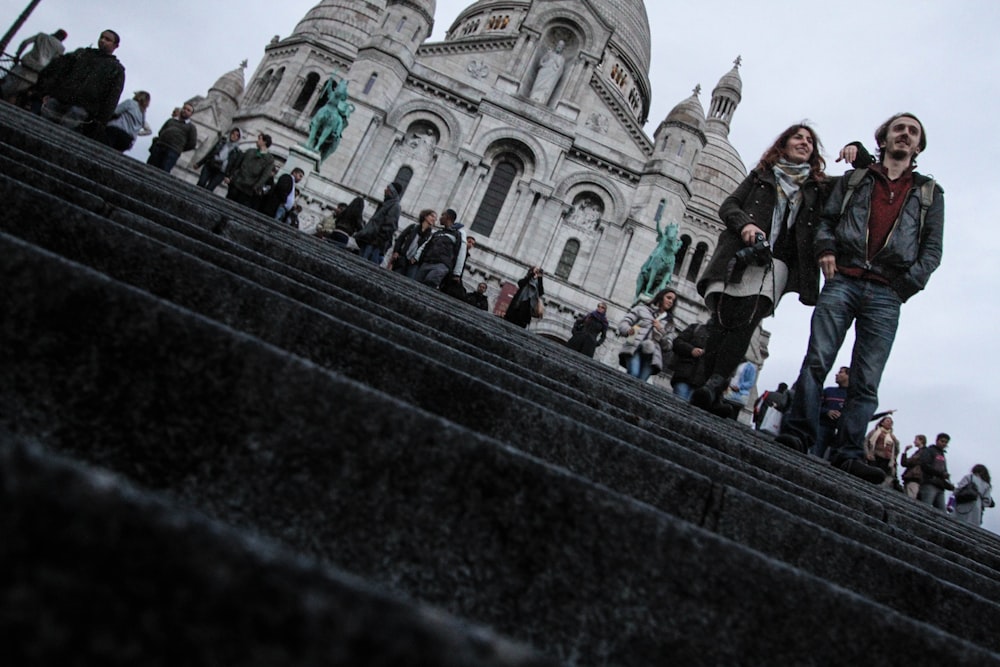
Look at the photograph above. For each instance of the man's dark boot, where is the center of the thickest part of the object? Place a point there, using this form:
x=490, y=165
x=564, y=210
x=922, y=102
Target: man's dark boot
x=705, y=397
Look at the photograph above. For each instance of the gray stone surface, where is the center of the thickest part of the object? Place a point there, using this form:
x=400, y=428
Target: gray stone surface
x=290, y=390
x=100, y=573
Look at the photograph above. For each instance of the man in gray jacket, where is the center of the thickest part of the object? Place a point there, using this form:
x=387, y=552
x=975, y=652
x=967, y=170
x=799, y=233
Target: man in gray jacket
x=879, y=240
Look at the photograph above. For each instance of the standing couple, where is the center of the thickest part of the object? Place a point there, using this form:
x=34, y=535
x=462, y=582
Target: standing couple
x=876, y=236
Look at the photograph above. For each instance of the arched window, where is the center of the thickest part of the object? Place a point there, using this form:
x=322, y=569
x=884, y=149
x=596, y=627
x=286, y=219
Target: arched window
x=496, y=194
x=567, y=259
x=273, y=85
x=681, y=254
x=399, y=26
x=371, y=82
x=696, y=260
x=307, y=91
x=403, y=177
x=680, y=149
x=260, y=85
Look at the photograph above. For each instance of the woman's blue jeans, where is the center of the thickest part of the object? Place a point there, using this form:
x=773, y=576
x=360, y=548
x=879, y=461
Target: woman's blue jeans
x=640, y=366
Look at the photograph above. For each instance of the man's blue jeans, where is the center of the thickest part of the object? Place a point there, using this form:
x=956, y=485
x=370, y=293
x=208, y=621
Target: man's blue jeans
x=874, y=310
x=683, y=391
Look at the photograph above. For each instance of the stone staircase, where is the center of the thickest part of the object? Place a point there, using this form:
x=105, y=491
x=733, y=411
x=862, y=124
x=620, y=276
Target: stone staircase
x=268, y=451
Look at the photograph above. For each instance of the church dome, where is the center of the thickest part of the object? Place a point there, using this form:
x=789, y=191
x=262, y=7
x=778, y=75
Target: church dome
x=631, y=27
x=232, y=83
x=689, y=112
x=424, y=7
x=718, y=173
x=343, y=23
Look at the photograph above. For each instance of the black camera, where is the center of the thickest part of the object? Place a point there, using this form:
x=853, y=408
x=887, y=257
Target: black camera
x=758, y=254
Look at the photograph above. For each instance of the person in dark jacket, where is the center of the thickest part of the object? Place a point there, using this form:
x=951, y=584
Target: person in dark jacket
x=281, y=197
x=590, y=332
x=178, y=135
x=347, y=223
x=375, y=237
x=479, y=298
x=81, y=89
x=404, y=252
x=441, y=259
x=687, y=361
x=530, y=290
x=935, y=479
x=876, y=247
x=249, y=172
x=764, y=252
x=215, y=165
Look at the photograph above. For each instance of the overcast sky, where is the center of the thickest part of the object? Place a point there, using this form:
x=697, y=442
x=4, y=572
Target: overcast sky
x=845, y=67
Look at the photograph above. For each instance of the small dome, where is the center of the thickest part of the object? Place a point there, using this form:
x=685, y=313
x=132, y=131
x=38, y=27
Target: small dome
x=731, y=80
x=718, y=173
x=232, y=83
x=689, y=112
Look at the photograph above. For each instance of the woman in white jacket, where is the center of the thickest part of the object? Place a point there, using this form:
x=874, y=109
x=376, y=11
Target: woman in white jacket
x=647, y=328
x=972, y=496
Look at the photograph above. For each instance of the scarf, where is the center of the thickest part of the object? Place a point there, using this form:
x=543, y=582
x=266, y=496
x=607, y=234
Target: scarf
x=789, y=177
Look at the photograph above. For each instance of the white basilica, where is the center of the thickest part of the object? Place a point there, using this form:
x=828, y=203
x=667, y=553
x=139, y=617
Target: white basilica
x=527, y=120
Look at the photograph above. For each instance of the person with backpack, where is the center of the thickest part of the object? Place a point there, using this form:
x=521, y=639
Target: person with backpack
x=375, y=237
x=441, y=258
x=973, y=495
x=878, y=242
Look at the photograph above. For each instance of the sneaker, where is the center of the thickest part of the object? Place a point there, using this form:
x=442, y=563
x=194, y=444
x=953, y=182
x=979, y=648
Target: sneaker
x=860, y=469
x=791, y=442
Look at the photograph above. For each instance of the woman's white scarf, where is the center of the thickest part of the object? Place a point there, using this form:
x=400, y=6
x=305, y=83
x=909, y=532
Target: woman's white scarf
x=790, y=177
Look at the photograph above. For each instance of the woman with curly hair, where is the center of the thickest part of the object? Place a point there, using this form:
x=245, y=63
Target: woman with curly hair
x=764, y=251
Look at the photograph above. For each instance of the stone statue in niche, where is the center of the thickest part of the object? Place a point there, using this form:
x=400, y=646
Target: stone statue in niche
x=422, y=143
x=549, y=70
x=586, y=213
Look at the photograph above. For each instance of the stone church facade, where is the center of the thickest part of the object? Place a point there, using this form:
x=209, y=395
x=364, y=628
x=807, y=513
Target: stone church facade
x=527, y=120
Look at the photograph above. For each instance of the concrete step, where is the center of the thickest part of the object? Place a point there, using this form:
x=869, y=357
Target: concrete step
x=692, y=454
x=304, y=299
x=406, y=500
x=139, y=580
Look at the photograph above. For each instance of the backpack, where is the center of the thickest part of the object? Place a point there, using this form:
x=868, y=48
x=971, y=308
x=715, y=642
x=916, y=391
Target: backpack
x=967, y=493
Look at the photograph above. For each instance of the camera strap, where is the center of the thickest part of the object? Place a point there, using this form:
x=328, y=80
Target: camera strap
x=768, y=271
